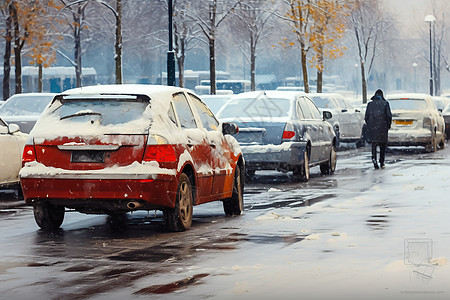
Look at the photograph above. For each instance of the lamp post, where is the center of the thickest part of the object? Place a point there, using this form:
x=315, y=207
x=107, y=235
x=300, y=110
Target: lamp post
x=430, y=19
x=170, y=53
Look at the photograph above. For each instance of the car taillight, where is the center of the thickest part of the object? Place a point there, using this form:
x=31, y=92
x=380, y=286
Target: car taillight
x=427, y=123
x=288, y=132
x=29, y=154
x=160, y=153
x=288, y=135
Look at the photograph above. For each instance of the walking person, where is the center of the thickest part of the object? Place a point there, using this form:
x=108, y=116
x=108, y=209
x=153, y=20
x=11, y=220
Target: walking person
x=378, y=118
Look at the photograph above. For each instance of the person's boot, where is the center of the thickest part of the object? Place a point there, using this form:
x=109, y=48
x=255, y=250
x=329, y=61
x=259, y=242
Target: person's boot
x=382, y=164
x=375, y=164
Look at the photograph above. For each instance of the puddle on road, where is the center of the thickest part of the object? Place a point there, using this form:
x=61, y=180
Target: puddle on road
x=172, y=287
x=378, y=222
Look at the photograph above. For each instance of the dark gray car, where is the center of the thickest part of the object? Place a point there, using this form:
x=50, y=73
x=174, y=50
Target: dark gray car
x=282, y=131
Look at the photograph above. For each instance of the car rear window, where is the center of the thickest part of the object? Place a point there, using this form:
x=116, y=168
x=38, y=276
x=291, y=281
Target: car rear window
x=256, y=107
x=322, y=102
x=407, y=104
x=25, y=105
x=115, y=114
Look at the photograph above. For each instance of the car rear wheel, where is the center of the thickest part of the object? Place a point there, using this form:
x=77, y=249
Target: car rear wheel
x=431, y=147
x=48, y=216
x=179, y=218
x=302, y=172
x=329, y=166
x=235, y=205
x=442, y=143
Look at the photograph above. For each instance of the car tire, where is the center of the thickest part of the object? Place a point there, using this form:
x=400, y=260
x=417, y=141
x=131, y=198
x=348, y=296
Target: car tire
x=432, y=146
x=234, y=206
x=442, y=143
x=179, y=218
x=302, y=172
x=48, y=216
x=329, y=166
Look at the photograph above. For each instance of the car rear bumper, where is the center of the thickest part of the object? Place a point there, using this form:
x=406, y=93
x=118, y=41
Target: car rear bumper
x=101, y=191
x=416, y=137
x=268, y=157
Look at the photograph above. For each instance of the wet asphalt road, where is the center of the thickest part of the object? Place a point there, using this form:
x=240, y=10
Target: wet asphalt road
x=360, y=233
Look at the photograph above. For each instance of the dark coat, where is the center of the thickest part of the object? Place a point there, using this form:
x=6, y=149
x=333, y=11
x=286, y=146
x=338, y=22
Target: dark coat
x=378, y=118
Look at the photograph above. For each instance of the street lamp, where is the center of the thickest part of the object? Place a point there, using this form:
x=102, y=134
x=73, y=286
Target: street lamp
x=431, y=19
x=170, y=53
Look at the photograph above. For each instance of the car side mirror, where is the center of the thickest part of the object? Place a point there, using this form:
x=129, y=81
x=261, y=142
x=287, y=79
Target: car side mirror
x=327, y=115
x=13, y=128
x=229, y=128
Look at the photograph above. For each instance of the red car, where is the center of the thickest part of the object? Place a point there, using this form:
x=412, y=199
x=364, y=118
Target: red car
x=118, y=148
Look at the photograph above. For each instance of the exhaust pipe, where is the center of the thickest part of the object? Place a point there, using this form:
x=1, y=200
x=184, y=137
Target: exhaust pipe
x=132, y=205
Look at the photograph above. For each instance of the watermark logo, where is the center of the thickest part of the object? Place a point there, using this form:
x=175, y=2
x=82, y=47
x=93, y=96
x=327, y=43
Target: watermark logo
x=418, y=253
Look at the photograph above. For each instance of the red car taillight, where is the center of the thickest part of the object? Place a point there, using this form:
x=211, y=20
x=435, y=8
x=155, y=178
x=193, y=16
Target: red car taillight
x=288, y=134
x=29, y=154
x=160, y=153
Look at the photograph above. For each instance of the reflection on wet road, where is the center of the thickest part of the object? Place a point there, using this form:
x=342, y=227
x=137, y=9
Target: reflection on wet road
x=322, y=231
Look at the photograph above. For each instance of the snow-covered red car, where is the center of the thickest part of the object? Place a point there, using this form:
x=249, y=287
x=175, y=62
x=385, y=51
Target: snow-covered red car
x=118, y=148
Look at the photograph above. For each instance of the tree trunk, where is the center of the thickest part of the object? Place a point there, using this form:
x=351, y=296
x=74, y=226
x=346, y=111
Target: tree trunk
x=305, y=70
x=40, y=78
x=77, y=56
x=118, y=57
x=212, y=67
x=7, y=57
x=252, y=64
x=364, y=83
x=180, y=62
x=319, y=80
x=17, y=50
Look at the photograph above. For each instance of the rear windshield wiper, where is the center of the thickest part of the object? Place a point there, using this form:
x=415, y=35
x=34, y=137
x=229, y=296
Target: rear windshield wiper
x=79, y=114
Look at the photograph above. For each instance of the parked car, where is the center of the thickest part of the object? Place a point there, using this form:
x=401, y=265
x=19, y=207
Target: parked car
x=215, y=102
x=446, y=115
x=440, y=102
x=415, y=122
x=2, y=102
x=347, y=121
x=12, y=142
x=282, y=131
x=25, y=109
x=118, y=148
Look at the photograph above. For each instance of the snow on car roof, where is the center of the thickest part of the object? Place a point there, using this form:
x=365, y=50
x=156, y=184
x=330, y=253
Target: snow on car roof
x=407, y=96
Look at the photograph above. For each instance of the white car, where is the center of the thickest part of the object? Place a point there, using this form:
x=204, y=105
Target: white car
x=347, y=121
x=25, y=109
x=215, y=102
x=415, y=122
x=12, y=142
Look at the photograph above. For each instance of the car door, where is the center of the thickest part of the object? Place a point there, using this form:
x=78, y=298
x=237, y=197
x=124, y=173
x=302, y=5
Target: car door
x=10, y=155
x=196, y=145
x=220, y=154
x=313, y=127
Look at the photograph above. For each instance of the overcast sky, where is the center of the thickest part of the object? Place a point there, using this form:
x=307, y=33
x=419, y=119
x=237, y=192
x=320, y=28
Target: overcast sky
x=411, y=13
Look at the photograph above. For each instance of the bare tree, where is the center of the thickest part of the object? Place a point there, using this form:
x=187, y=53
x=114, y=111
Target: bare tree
x=369, y=25
x=253, y=16
x=209, y=17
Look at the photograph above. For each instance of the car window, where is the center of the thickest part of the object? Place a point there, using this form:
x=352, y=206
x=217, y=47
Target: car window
x=256, y=107
x=184, y=111
x=407, y=104
x=25, y=105
x=206, y=116
x=171, y=115
x=323, y=102
x=305, y=109
x=300, y=114
x=314, y=110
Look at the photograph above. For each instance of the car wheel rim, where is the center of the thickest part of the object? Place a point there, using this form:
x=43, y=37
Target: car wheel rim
x=185, y=200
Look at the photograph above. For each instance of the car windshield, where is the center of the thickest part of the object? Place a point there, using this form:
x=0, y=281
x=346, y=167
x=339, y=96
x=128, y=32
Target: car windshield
x=25, y=105
x=407, y=104
x=91, y=116
x=256, y=107
x=322, y=102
